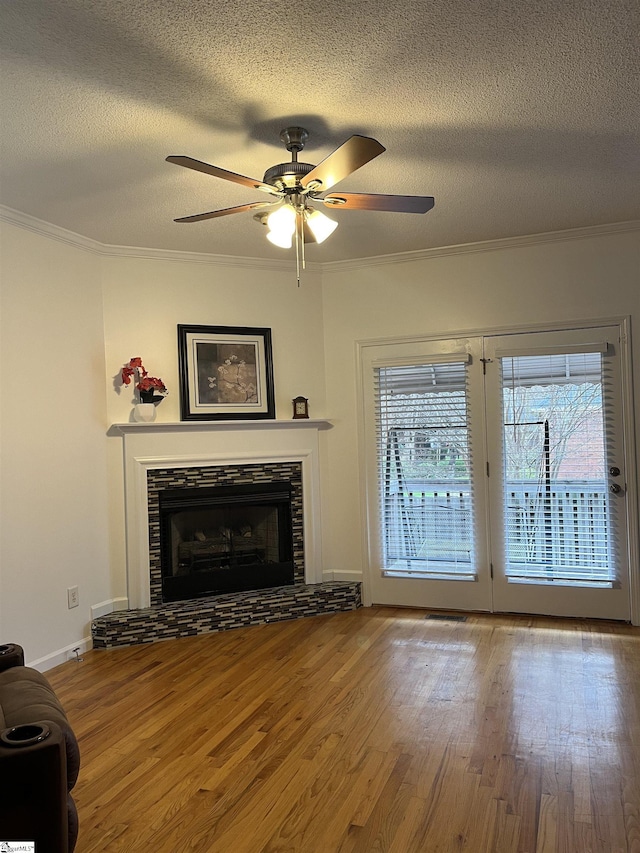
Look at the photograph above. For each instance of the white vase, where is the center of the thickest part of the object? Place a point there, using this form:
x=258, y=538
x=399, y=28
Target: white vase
x=144, y=413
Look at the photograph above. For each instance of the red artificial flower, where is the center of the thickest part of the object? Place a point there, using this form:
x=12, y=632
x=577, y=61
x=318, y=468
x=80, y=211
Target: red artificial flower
x=146, y=382
x=127, y=373
x=151, y=382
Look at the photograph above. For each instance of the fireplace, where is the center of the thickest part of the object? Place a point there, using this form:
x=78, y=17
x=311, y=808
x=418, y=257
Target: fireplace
x=276, y=459
x=221, y=539
x=262, y=499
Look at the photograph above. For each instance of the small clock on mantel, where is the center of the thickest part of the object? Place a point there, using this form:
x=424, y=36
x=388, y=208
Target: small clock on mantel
x=300, y=407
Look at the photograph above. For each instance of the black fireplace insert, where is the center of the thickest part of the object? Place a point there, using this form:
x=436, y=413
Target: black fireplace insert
x=222, y=539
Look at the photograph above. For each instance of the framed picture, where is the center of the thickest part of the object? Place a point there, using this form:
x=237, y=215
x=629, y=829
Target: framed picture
x=226, y=372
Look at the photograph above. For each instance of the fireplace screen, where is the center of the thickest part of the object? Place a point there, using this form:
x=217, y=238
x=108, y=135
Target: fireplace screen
x=225, y=539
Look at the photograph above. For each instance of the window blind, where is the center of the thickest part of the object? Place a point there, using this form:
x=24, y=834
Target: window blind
x=558, y=515
x=561, y=369
x=424, y=469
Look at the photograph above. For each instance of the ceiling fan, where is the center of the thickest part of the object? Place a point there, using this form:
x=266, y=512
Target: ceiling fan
x=297, y=186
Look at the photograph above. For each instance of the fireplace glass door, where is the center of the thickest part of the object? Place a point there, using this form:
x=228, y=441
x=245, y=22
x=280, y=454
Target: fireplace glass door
x=225, y=539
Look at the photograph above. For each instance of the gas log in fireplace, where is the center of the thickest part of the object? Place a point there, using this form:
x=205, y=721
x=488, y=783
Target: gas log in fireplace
x=223, y=539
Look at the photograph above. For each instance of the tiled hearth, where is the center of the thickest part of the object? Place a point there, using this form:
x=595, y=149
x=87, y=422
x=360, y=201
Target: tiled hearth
x=152, y=465
x=201, y=616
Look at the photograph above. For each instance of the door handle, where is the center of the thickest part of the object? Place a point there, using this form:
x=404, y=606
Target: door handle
x=614, y=471
x=615, y=488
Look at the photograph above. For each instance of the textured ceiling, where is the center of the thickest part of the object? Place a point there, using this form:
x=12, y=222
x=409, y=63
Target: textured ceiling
x=519, y=117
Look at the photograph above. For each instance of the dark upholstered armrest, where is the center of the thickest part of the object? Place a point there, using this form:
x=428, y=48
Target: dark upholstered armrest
x=11, y=655
x=34, y=805
x=27, y=696
x=39, y=763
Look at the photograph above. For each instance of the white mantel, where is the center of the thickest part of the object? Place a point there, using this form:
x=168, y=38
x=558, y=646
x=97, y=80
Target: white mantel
x=209, y=443
x=219, y=426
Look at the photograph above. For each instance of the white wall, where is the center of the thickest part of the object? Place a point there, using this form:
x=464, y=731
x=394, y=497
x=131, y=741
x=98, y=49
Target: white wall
x=546, y=282
x=53, y=474
x=145, y=299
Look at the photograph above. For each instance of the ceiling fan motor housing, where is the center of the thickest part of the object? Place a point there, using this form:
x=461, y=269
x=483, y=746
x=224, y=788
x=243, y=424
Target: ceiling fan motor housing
x=287, y=175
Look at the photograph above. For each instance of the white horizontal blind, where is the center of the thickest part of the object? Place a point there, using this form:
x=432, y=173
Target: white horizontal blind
x=557, y=508
x=559, y=368
x=424, y=468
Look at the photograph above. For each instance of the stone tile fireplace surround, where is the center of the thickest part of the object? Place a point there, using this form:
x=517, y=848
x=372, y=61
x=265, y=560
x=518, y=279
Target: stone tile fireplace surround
x=186, y=455
x=199, y=476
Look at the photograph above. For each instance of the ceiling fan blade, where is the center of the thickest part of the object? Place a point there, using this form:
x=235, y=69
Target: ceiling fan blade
x=217, y=172
x=214, y=214
x=369, y=201
x=352, y=154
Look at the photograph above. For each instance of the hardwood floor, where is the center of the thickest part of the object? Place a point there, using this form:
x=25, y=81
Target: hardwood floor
x=375, y=730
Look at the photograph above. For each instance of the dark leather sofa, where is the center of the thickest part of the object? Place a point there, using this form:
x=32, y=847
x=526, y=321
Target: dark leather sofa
x=39, y=759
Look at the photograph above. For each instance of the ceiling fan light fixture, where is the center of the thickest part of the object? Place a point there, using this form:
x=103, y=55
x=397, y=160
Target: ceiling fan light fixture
x=283, y=241
x=321, y=226
x=282, y=225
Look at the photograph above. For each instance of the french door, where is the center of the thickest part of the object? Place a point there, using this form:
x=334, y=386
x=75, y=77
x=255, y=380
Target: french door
x=495, y=473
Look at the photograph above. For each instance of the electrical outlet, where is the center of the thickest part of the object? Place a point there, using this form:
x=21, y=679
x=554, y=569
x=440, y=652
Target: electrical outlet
x=73, y=598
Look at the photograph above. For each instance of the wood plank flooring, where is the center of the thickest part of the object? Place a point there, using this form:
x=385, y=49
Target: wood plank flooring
x=375, y=730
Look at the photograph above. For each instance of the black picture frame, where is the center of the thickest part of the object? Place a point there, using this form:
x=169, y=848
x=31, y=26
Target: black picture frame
x=226, y=373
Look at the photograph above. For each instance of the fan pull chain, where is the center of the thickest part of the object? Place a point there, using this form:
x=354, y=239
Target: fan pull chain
x=297, y=251
x=300, y=259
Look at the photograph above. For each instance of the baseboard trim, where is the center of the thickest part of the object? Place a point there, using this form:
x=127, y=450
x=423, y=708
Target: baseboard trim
x=77, y=649
x=63, y=655
x=108, y=606
x=340, y=576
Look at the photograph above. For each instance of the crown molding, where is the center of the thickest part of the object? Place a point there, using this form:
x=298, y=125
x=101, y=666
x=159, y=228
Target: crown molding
x=205, y=258
x=62, y=235
x=47, y=229
x=55, y=232
x=484, y=246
